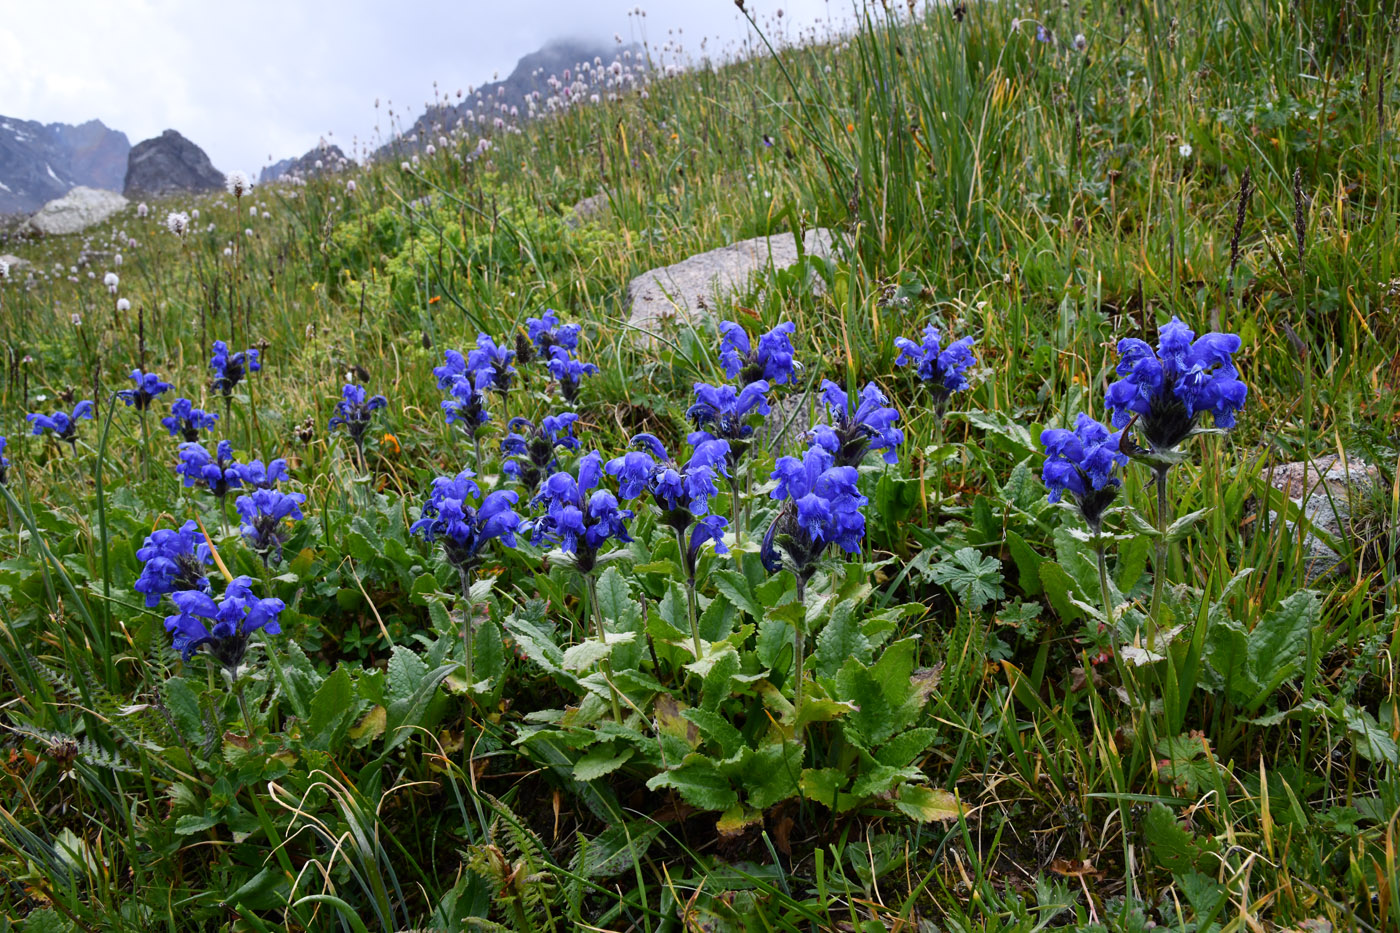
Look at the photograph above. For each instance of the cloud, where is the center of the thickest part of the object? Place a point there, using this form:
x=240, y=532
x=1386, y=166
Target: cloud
x=271, y=77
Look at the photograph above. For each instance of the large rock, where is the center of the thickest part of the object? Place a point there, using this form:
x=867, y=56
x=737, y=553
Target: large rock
x=1331, y=493
x=76, y=211
x=169, y=164
x=694, y=285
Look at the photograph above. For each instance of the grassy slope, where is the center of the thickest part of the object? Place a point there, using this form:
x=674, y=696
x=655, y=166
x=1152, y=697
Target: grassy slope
x=1023, y=192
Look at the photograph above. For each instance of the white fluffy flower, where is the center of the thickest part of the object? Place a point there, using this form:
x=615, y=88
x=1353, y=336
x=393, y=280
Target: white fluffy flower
x=111, y=281
x=195, y=213
x=123, y=304
x=1184, y=150
x=350, y=186
x=405, y=166
x=430, y=149
x=1080, y=42
x=177, y=222
x=228, y=251
x=142, y=210
x=117, y=259
x=238, y=184
x=4, y=269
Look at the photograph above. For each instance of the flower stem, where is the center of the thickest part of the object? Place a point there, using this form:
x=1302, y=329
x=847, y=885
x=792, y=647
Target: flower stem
x=799, y=644
x=734, y=507
x=1159, y=564
x=243, y=705
x=690, y=597
x=476, y=440
x=606, y=663
x=1103, y=583
x=468, y=632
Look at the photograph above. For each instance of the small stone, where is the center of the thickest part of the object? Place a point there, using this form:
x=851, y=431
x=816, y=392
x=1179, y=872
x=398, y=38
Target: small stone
x=586, y=210
x=1329, y=491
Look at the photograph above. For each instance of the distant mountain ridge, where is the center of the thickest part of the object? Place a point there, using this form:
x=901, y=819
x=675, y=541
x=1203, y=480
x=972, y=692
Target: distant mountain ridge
x=40, y=162
x=532, y=73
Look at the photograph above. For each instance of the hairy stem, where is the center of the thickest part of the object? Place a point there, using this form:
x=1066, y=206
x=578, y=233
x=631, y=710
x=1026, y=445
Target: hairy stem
x=799, y=644
x=1159, y=564
x=691, y=599
x=606, y=664
x=468, y=631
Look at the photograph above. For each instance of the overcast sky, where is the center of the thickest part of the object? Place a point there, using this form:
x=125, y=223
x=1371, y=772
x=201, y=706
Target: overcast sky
x=249, y=80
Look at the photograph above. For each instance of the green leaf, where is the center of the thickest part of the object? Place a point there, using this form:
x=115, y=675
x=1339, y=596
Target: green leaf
x=905, y=747
x=975, y=579
x=1058, y=587
x=1183, y=525
x=409, y=710
x=1171, y=846
x=1027, y=564
x=699, y=783
x=927, y=804
x=823, y=785
x=184, y=708
x=406, y=672
x=735, y=587
x=842, y=638
x=488, y=652
x=771, y=775
x=1372, y=741
x=615, y=849
x=717, y=729
x=717, y=681
x=621, y=613
x=600, y=760
x=587, y=653
x=331, y=709
x=1279, y=643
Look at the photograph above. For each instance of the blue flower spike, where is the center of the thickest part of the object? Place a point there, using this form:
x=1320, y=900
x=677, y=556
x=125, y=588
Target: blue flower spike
x=63, y=425
x=1084, y=464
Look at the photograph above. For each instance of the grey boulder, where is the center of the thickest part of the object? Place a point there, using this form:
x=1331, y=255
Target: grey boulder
x=77, y=210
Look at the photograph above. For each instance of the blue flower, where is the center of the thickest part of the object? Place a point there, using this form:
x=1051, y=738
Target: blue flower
x=723, y=412
x=567, y=371
x=451, y=515
x=186, y=421
x=264, y=515
x=494, y=362
x=453, y=368
x=467, y=406
x=255, y=474
x=236, y=615
x=1083, y=462
x=1169, y=391
x=148, y=386
x=4, y=462
x=546, y=332
x=772, y=360
x=218, y=473
x=851, y=435
x=528, y=450
x=354, y=411
x=63, y=425
x=229, y=369
x=821, y=507
x=680, y=492
x=173, y=560
x=579, y=517
x=942, y=370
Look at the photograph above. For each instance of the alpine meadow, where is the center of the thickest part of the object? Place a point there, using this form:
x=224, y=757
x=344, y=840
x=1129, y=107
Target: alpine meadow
x=1020, y=553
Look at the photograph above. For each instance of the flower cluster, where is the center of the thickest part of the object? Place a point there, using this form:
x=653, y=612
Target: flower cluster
x=235, y=615
x=220, y=473
x=771, y=360
x=724, y=412
x=451, y=515
x=1169, y=390
x=940, y=368
x=853, y=434
x=682, y=493
x=543, y=334
x=354, y=412
x=173, y=560
x=528, y=451
x=820, y=507
x=229, y=369
x=265, y=514
x=63, y=425
x=493, y=362
x=185, y=421
x=579, y=516
x=148, y=386
x=4, y=462
x=1083, y=463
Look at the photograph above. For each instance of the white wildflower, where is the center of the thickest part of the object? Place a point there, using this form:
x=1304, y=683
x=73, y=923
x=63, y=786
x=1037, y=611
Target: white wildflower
x=238, y=184
x=123, y=304
x=1185, y=150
